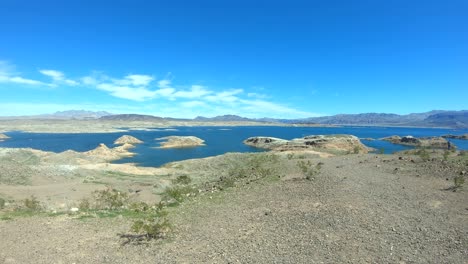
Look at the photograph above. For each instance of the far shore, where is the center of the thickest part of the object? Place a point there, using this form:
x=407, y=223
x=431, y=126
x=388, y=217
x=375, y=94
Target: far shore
x=99, y=126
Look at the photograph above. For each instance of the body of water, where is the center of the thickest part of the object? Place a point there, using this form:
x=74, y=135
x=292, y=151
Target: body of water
x=219, y=140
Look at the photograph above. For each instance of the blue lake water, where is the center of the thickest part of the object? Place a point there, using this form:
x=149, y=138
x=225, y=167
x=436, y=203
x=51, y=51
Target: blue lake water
x=219, y=140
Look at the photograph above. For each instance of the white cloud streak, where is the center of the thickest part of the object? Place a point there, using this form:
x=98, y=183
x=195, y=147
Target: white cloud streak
x=9, y=75
x=161, y=97
x=58, y=77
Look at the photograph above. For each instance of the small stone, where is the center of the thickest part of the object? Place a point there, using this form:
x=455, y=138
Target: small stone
x=74, y=209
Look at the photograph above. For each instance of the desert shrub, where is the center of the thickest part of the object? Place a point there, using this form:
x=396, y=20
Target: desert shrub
x=458, y=182
x=423, y=154
x=152, y=227
x=356, y=149
x=177, y=194
x=182, y=179
x=2, y=203
x=308, y=169
x=84, y=205
x=290, y=156
x=110, y=199
x=32, y=204
x=446, y=155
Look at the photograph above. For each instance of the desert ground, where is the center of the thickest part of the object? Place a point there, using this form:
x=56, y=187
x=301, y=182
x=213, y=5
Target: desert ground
x=273, y=207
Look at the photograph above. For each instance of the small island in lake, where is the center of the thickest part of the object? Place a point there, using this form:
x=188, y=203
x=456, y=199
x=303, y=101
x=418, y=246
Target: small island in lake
x=181, y=142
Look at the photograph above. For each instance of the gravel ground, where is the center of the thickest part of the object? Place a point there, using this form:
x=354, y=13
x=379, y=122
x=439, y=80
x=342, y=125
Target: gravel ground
x=358, y=209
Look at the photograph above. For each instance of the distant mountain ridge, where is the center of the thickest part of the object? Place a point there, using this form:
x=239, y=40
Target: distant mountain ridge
x=224, y=118
x=435, y=118
x=68, y=114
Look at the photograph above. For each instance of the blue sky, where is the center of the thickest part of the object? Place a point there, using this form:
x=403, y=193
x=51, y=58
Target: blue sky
x=285, y=59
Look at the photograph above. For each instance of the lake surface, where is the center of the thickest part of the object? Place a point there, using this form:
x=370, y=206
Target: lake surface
x=219, y=140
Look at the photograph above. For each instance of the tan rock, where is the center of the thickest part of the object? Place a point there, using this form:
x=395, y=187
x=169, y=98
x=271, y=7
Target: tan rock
x=181, y=142
x=126, y=139
x=334, y=143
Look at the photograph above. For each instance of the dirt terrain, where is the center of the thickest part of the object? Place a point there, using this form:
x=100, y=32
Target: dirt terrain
x=358, y=208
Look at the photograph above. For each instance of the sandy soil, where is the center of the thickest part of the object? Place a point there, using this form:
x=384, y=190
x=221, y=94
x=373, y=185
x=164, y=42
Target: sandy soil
x=357, y=209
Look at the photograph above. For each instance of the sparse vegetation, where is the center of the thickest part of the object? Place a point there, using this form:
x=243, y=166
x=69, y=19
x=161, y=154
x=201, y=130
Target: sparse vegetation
x=32, y=204
x=152, y=227
x=177, y=194
x=110, y=199
x=308, y=169
x=423, y=154
x=458, y=182
x=182, y=179
x=446, y=155
x=249, y=168
x=356, y=150
x=2, y=203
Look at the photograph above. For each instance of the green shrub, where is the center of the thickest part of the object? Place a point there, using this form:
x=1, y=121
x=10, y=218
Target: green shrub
x=381, y=151
x=110, y=199
x=177, y=194
x=423, y=154
x=446, y=155
x=2, y=203
x=458, y=182
x=32, y=204
x=84, y=205
x=182, y=179
x=308, y=169
x=356, y=149
x=152, y=227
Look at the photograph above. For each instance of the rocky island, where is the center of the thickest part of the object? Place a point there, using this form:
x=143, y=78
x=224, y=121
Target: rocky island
x=126, y=139
x=464, y=136
x=432, y=142
x=325, y=143
x=181, y=142
x=3, y=137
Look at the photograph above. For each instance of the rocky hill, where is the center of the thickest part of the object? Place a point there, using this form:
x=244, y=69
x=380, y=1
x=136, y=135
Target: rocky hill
x=223, y=118
x=132, y=117
x=436, y=118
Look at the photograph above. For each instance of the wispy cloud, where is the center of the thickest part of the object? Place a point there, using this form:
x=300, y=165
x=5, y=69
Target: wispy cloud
x=161, y=96
x=225, y=96
x=9, y=75
x=58, y=77
x=197, y=91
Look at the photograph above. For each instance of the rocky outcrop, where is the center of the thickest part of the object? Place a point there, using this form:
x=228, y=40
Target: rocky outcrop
x=181, y=142
x=3, y=137
x=108, y=154
x=464, y=136
x=430, y=142
x=126, y=139
x=332, y=143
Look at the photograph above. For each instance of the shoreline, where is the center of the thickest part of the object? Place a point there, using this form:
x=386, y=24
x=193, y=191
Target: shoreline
x=55, y=126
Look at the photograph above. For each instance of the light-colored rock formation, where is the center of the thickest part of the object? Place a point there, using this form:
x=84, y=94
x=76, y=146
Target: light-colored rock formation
x=126, y=139
x=181, y=142
x=333, y=143
x=464, y=136
x=3, y=137
x=430, y=142
x=108, y=154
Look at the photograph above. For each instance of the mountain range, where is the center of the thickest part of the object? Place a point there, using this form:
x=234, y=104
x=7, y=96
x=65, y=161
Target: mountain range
x=435, y=118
